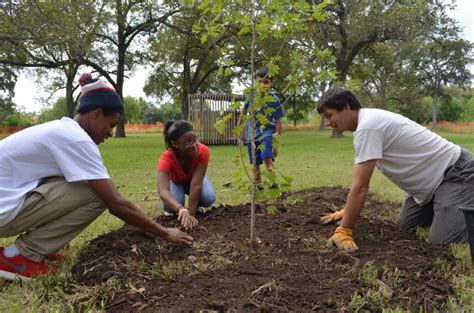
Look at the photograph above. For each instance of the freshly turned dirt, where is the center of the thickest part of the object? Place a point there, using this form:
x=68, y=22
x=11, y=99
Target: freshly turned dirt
x=291, y=269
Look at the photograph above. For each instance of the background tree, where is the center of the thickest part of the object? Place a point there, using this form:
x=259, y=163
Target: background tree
x=383, y=78
x=355, y=25
x=19, y=119
x=122, y=40
x=134, y=108
x=381, y=74
x=450, y=109
x=49, y=35
x=468, y=111
x=7, y=85
x=388, y=74
x=442, y=58
x=183, y=63
x=55, y=111
x=298, y=108
x=150, y=114
x=7, y=107
x=302, y=69
x=170, y=111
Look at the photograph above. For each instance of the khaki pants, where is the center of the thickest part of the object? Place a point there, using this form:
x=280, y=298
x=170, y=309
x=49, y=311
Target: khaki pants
x=52, y=215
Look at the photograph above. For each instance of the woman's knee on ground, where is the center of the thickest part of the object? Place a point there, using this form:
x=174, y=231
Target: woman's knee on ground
x=411, y=217
x=208, y=197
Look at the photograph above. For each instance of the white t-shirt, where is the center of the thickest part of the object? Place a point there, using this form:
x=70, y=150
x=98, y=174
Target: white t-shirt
x=408, y=154
x=57, y=148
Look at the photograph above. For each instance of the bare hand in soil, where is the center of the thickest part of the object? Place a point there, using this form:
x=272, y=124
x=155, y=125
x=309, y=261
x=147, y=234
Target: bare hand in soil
x=174, y=235
x=342, y=238
x=187, y=220
x=329, y=218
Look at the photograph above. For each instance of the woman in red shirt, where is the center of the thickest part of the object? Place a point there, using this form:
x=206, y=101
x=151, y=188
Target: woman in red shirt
x=182, y=170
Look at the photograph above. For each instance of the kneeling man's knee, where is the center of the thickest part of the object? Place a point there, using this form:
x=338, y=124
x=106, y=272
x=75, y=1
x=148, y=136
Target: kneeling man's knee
x=404, y=224
x=445, y=236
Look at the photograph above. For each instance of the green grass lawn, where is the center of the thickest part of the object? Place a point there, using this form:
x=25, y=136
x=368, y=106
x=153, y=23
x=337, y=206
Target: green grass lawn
x=312, y=158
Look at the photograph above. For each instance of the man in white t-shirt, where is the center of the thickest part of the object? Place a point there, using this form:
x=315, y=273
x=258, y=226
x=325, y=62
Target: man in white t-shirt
x=53, y=184
x=437, y=175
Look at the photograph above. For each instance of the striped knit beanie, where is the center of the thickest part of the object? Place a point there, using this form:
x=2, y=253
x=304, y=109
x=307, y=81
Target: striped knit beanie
x=97, y=93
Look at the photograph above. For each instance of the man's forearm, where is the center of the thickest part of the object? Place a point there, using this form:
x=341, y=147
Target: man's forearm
x=354, y=203
x=359, y=189
x=130, y=214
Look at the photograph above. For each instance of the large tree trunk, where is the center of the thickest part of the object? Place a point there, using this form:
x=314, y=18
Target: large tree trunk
x=293, y=104
x=342, y=78
x=70, y=104
x=185, y=104
x=186, y=86
x=120, y=129
x=122, y=49
x=322, y=123
x=434, y=109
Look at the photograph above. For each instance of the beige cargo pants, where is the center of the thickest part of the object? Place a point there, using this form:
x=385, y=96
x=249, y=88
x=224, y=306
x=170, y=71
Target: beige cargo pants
x=52, y=215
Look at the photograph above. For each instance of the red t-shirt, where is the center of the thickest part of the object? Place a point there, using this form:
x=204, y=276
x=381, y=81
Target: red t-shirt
x=169, y=163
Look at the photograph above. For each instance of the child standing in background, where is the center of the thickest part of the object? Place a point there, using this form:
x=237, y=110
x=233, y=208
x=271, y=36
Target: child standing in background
x=265, y=150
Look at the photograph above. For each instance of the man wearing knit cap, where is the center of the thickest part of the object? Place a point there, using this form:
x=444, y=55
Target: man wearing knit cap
x=53, y=184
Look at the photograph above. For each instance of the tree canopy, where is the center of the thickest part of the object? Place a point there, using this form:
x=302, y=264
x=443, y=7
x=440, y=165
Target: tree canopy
x=391, y=53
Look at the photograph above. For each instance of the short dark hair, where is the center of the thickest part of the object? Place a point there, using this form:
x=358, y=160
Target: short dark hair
x=337, y=98
x=263, y=72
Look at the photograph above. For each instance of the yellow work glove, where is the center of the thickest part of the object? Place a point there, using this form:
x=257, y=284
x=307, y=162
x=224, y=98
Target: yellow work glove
x=332, y=217
x=342, y=238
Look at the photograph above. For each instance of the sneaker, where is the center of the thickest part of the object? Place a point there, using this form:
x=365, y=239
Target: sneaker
x=21, y=268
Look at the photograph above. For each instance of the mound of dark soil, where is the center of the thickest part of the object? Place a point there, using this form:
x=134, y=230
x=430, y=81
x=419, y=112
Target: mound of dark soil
x=292, y=269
